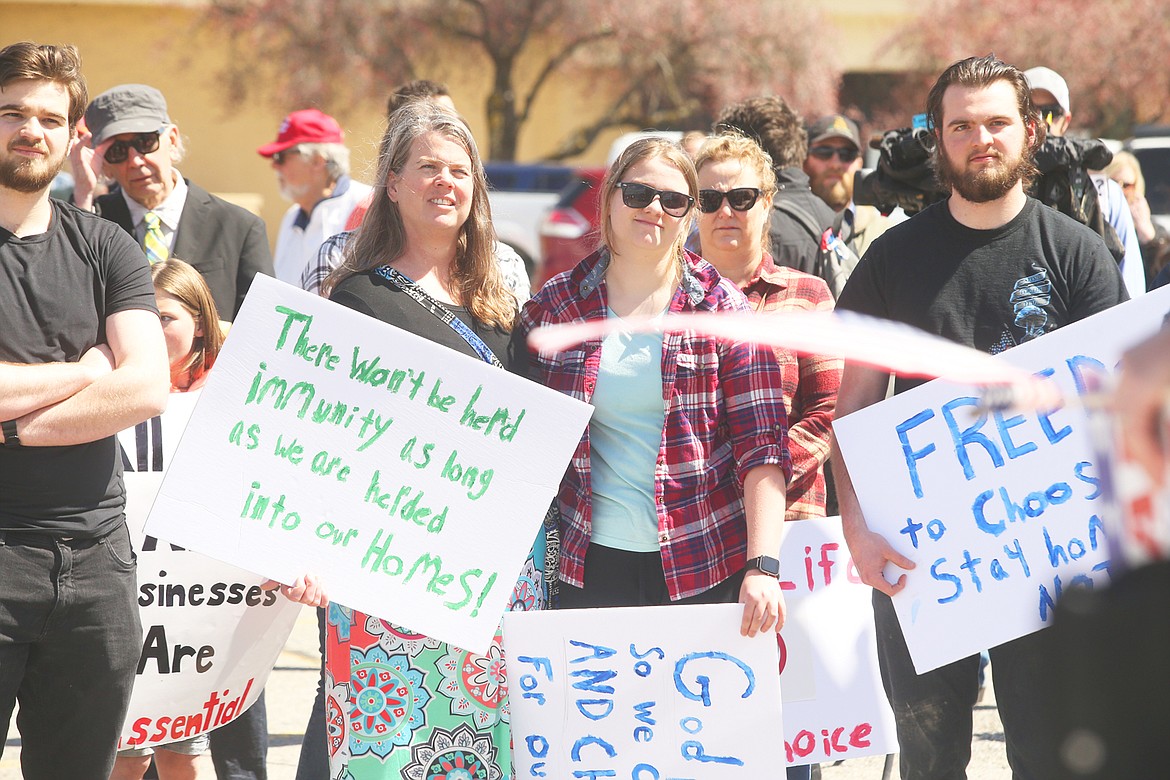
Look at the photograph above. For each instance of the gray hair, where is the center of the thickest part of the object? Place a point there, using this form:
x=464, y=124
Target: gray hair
x=336, y=157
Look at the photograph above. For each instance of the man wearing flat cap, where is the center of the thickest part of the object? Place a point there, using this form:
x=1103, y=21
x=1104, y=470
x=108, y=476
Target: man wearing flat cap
x=136, y=144
x=834, y=156
x=312, y=167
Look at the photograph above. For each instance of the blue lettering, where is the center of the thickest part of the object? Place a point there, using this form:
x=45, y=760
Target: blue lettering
x=912, y=455
x=606, y=707
x=1056, y=553
x=1017, y=552
x=1005, y=426
x=1079, y=472
x=1051, y=433
x=981, y=522
x=944, y=577
x=598, y=651
x=537, y=746
x=1095, y=527
x=692, y=750
x=585, y=741
x=1086, y=381
x=591, y=680
x=704, y=694
x=969, y=564
x=965, y=438
x=912, y=528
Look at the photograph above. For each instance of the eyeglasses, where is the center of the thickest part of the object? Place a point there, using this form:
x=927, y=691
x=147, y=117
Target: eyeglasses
x=740, y=199
x=844, y=153
x=639, y=196
x=1050, y=111
x=143, y=143
x=281, y=156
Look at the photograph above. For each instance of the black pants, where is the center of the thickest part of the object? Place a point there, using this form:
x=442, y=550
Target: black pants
x=70, y=638
x=617, y=578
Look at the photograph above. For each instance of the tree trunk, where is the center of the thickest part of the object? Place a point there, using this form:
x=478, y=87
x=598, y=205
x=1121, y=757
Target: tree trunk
x=503, y=122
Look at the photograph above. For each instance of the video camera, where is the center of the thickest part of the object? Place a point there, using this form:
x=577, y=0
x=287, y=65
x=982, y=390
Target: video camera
x=905, y=174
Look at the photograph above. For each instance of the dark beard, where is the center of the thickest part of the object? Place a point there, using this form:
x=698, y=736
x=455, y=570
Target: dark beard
x=29, y=176
x=986, y=185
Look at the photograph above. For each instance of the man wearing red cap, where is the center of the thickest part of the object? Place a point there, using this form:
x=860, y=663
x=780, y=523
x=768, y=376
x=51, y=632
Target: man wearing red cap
x=312, y=168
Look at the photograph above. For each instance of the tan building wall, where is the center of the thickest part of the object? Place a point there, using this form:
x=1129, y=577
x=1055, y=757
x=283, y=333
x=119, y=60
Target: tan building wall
x=159, y=42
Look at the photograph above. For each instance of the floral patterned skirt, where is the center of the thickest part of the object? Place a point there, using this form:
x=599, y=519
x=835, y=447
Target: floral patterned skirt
x=402, y=705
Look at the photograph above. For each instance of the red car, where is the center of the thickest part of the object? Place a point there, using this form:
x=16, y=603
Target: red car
x=569, y=232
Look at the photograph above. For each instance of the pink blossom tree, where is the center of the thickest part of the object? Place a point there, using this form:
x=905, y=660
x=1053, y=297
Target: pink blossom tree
x=654, y=63
x=1113, y=54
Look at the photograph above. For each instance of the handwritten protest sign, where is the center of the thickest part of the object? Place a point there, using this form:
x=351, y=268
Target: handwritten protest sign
x=412, y=479
x=649, y=692
x=834, y=704
x=210, y=634
x=999, y=511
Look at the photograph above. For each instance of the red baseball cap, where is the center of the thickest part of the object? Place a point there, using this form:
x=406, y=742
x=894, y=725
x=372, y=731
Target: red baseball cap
x=308, y=126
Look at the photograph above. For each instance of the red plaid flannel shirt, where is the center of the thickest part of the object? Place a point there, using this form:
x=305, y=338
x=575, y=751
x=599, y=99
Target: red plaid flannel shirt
x=724, y=416
x=810, y=383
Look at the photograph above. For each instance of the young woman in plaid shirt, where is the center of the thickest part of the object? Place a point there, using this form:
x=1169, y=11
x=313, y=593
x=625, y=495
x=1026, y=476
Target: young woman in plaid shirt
x=676, y=491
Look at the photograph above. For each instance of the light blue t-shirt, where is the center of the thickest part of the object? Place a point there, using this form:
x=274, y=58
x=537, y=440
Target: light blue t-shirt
x=624, y=438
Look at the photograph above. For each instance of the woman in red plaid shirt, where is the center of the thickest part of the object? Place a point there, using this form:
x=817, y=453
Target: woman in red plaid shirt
x=675, y=493
x=736, y=184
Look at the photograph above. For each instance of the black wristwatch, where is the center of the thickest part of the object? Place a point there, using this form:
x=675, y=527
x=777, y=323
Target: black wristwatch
x=11, y=437
x=765, y=564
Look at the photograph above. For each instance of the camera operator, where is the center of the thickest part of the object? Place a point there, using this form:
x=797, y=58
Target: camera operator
x=1051, y=96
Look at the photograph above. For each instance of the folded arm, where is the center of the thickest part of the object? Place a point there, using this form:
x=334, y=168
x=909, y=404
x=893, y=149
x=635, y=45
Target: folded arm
x=135, y=390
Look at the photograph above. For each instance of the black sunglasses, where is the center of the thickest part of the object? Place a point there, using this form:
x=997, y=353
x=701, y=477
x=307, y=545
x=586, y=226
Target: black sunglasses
x=740, y=199
x=143, y=143
x=1050, y=111
x=844, y=153
x=284, y=154
x=639, y=196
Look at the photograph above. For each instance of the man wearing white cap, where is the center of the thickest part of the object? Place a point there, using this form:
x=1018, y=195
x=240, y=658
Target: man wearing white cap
x=1051, y=96
x=312, y=167
x=136, y=144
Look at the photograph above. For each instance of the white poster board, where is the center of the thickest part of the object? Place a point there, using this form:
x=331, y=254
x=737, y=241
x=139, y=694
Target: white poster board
x=211, y=636
x=1000, y=512
x=647, y=692
x=412, y=479
x=834, y=705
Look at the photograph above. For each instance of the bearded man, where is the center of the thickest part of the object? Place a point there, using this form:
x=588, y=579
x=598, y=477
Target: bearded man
x=988, y=267
x=82, y=357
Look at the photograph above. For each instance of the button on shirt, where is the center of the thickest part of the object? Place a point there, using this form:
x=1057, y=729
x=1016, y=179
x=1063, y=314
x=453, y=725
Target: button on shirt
x=724, y=416
x=169, y=212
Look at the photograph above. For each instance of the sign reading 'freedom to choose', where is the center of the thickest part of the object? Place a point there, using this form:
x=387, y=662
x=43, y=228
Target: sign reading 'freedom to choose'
x=1000, y=511
x=411, y=478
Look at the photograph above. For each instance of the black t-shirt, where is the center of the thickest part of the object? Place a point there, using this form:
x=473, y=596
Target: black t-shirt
x=988, y=289
x=375, y=297
x=56, y=290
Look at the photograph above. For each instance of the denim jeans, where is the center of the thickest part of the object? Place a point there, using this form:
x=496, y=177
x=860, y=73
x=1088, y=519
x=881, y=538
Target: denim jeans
x=70, y=638
x=932, y=711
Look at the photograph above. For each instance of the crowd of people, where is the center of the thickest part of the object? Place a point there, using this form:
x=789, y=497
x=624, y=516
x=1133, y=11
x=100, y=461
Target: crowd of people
x=111, y=302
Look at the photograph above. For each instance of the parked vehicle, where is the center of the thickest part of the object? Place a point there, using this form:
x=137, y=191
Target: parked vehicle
x=520, y=194
x=568, y=231
x=1151, y=145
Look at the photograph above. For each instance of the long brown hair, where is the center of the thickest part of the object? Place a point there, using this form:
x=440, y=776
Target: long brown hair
x=186, y=285
x=381, y=239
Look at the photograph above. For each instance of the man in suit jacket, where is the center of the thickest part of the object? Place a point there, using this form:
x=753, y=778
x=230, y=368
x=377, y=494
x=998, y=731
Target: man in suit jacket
x=134, y=142
x=138, y=146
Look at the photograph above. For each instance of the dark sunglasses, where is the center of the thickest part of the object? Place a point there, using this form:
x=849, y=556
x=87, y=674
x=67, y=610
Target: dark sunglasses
x=1050, y=111
x=281, y=156
x=740, y=199
x=639, y=196
x=143, y=143
x=844, y=153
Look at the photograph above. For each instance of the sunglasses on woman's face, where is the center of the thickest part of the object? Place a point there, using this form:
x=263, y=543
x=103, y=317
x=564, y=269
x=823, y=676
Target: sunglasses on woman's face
x=143, y=143
x=740, y=199
x=639, y=196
